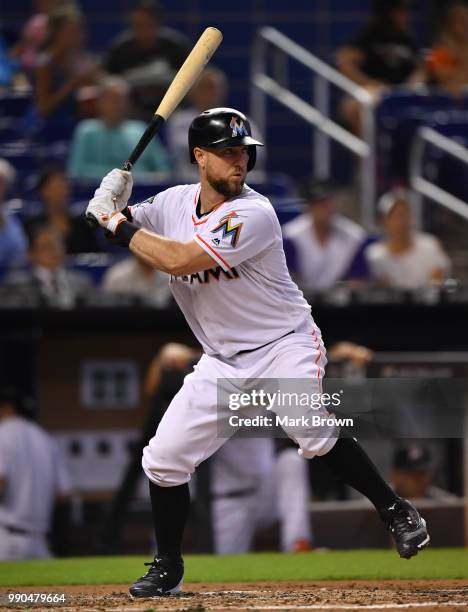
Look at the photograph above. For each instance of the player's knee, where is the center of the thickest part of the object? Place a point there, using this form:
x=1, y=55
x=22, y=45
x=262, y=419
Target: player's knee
x=316, y=447
x=164, y=467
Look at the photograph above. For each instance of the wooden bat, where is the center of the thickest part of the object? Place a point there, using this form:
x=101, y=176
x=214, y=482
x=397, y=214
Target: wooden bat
x=188, y=73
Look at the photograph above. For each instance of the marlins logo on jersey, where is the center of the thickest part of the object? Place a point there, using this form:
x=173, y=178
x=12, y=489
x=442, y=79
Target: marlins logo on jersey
x=228, y=228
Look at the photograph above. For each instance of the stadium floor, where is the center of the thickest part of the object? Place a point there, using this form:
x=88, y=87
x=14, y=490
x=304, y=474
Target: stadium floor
x=326, y=595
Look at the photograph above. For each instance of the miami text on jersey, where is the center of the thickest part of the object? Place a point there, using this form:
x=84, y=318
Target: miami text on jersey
x=206, y=275
x=228, y=228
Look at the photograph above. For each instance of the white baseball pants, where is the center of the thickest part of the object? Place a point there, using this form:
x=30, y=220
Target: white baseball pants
x=188, y=432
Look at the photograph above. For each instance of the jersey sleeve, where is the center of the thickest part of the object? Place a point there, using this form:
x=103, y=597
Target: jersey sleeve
x=233, y=237
x=148, y=214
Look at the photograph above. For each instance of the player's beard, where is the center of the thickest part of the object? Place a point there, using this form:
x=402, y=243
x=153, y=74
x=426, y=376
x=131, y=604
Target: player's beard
x=224, y=187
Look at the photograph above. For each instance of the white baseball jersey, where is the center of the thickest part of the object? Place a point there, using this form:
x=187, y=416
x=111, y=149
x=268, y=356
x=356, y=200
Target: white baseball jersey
x=33, y=473
x=248, y=298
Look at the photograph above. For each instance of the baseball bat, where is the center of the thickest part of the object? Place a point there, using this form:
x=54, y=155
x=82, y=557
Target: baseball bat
x=188, y=73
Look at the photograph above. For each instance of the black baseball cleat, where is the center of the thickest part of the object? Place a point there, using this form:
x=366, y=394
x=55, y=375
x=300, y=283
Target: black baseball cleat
x=164, y=577
x=407, y=526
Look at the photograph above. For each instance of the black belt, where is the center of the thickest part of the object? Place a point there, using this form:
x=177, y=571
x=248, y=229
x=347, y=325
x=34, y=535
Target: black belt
x=263, y=345
x=16, y=530
x=238, y=493
x=19, y=531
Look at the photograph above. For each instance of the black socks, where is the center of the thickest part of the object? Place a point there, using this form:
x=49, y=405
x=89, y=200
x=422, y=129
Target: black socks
x=349, y=461
x=170, y=507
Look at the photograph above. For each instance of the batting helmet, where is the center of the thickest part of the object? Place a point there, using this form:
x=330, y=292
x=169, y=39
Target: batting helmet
x=217, y=128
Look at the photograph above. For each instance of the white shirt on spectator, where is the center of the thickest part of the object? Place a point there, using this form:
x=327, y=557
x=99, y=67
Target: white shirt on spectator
x=127, y=277
x=408, y=270
x=34, y=475
x=320, y=265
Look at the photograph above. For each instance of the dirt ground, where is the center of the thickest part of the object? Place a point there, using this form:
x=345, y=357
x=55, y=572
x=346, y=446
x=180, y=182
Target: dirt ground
x=447, y=595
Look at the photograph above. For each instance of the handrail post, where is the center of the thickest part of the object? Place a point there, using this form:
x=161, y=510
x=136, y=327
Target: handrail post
x=321, y=142
x=257, y=96
x=368, y=168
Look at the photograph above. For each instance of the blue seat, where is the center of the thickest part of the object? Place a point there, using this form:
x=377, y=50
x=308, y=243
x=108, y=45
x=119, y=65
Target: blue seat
x=398, y=115
x=14, y=104
x=446, y=170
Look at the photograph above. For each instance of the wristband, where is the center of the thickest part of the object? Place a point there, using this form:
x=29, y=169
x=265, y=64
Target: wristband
x=127, y=213
x=125, y=232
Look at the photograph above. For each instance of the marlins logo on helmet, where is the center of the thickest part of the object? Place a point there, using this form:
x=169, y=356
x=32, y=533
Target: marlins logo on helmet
x=238, y=128
x=225, y=225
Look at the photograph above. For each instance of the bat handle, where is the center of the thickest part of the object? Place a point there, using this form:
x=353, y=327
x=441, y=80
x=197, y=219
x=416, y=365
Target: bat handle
x=149, y=133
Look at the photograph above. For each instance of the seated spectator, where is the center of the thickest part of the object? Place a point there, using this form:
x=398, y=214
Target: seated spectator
x=210, y=91
x=48, y=278
x=134, y=276
x=54, y=189
x=404, y=258
x=33, y=37
x=13, y=242
x=148, y=55
x=447, y=63
x=321, y=244
x=98, y=145
x=412, y=475
x=32, y=478
x=63, y=67
x=8, y=66
x=383, y=53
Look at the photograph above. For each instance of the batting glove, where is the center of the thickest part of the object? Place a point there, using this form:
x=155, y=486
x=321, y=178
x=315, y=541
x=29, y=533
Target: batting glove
x=111, y=197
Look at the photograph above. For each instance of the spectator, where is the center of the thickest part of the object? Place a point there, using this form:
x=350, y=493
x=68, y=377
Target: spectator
x=383, y=53
x=33, y=37
x=98, y=145
x=210, y=91
x=133, y=276
x=54, y=189
x=447, y=63
x=148, y=55
x=8, y=66
x=404, y=258
x=63, y=67
x=13, y=242
x=32, y=478
x=321, y=244
x=412, y=475
x=48, y=278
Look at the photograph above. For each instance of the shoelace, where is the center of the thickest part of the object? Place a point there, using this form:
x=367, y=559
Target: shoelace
x=400, y=521
x=156, y=565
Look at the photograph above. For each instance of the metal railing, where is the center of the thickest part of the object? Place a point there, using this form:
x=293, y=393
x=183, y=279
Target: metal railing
x=424, y=187
x=318, y=113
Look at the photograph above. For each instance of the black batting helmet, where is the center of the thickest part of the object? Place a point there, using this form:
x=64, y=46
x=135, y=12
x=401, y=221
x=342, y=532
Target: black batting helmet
x=217, y=128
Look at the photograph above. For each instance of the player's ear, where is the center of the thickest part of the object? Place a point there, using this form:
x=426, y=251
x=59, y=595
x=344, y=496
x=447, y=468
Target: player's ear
x=200, y=157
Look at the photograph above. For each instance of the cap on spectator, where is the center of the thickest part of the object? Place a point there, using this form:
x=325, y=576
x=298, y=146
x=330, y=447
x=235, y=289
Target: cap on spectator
x=412, y=458
x=316, y=189
x=388, y=200
x=7, y=172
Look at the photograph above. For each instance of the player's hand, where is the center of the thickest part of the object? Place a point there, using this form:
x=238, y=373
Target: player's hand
x=118, y=185
x=110, y=198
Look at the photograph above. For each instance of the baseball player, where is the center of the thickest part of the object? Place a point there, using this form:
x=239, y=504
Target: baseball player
x=221, y=243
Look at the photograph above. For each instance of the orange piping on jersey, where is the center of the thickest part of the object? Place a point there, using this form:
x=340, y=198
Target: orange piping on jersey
x=215, y=252
x=195, y=200
x=316, y=340
x=195, y=222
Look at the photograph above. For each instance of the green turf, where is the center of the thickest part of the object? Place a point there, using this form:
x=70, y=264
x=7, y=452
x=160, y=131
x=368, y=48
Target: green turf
x=335, y=565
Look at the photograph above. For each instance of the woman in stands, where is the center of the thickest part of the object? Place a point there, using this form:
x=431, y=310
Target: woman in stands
x=447, y=63
x=63, y=67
